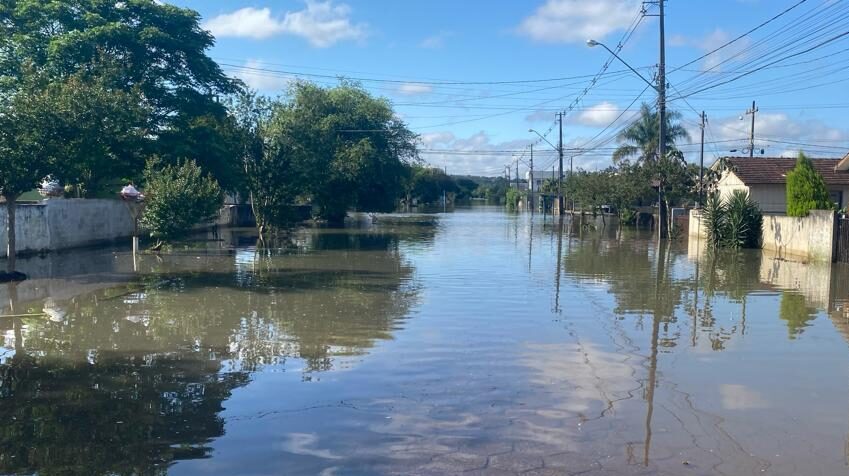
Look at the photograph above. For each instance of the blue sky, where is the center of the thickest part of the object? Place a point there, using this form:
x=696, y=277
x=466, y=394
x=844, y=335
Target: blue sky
x=408, y=50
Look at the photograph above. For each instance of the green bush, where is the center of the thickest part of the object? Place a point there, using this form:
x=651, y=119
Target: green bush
x=178, y=198
x=513, y=198
x=806, y=189
x=734, y=223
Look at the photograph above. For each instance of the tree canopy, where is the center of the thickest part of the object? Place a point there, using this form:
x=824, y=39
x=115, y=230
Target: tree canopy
x=806, y=189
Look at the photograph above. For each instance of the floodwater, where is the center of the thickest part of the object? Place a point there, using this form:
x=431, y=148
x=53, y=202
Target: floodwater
x=488, y=343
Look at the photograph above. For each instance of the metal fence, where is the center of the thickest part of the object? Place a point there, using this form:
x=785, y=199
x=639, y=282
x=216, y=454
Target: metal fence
x=842, y=251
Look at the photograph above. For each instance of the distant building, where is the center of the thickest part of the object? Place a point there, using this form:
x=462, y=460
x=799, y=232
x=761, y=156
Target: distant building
x=765, y=179
x=540, y=176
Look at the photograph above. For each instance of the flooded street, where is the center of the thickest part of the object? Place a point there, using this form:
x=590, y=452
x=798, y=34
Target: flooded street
x=488, y=343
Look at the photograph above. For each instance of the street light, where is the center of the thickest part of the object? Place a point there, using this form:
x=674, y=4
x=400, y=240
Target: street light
x=592, y=43
x=660, y=88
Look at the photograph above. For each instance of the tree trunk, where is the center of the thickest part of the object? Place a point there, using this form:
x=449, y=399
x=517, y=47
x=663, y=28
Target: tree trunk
x=11, y=250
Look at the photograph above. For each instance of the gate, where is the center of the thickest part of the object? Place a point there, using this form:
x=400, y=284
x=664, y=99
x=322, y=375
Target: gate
x=842, y=252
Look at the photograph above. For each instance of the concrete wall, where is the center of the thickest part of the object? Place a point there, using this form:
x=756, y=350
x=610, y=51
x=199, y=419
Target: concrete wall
x=810, y=238
x=66, y=223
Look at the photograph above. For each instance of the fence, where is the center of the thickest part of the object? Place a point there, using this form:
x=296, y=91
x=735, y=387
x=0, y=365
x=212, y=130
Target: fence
x=842, y=239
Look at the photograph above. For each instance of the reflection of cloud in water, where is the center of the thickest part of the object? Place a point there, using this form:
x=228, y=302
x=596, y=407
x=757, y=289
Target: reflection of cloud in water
x=740, y=397
x=305, y=444
x=590, y=377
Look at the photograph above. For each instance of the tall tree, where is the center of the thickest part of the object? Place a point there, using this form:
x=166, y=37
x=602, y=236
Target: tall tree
x=640, y=139
x=159, y=50
x=62, y=129
x=806, y=189
x=348, y=149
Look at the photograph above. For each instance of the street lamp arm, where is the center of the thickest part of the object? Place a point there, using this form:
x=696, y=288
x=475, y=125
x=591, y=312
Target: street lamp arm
x=543, y=138
x=592, y=43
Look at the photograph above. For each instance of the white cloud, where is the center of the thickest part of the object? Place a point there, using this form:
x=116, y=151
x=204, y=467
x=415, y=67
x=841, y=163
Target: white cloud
x=256, y=23
x=574, y=21
x=772, y=127
x=261, y=80
x=599, y=115
x=436, y=41
x=469, y=163
x=414, y=89
x=321, y=23
x=740, y=397
x=711, y=41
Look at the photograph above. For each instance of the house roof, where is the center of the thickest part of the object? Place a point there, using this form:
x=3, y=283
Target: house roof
x=773, y=170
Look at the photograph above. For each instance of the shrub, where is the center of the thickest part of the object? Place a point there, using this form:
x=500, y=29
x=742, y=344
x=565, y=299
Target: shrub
x=513, y=198
x=806, y=189
x=713, y=216
x=734, y=223
x=178, y=198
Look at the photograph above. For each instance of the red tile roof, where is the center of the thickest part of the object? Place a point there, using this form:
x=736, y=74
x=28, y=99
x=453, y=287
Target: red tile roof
x=773, y=170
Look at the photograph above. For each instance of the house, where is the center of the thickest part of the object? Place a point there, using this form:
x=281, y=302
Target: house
x=540, y=176
x=765, y=178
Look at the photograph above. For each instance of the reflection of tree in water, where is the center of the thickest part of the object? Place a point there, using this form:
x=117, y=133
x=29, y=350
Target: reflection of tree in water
x=796, y=312
x=126, y=380
x=69, y=411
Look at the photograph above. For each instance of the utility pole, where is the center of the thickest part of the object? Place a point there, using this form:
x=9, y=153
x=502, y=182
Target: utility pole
x=517, y=174
x=702, y=163
x=531, y=181
x=661, y=109
x=752, y=111
x=560, y=170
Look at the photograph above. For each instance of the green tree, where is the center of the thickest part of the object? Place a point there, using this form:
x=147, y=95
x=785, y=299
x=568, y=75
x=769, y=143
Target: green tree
x=640, y=139
x=153, y=48
x=66, y=129
x=347, y=148
x=427, y=184
x=269, y=173
x=178, y=197
x=806, y=189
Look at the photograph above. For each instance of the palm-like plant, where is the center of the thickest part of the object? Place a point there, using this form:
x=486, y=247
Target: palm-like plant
x=640, y=139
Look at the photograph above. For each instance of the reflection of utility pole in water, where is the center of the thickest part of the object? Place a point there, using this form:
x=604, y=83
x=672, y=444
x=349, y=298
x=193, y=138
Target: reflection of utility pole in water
x=530, y=240
x=559, y=257
x=660, y=278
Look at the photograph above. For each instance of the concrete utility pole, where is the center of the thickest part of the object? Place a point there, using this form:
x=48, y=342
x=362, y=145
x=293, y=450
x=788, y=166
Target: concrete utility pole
x=560, y=170
x=517, y=174
x=531, y=190
x=752, y=111
x=702, y=162
x=662, y=230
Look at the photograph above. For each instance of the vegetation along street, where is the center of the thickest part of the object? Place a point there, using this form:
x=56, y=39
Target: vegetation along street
x=365, y=237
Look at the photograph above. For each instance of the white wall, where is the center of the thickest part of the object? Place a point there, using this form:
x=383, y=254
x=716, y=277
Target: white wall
x=809, y=238
x=66, y=223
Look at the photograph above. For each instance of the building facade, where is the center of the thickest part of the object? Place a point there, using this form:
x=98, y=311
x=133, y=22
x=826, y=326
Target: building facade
x=765, y=179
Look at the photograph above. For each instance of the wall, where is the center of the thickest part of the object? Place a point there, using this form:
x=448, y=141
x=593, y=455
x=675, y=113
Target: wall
x=810, y=238
x=66, y=223
x=770, y=198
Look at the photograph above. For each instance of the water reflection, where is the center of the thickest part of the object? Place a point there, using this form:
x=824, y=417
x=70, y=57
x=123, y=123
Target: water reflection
x=488, y=343
x=127, y=378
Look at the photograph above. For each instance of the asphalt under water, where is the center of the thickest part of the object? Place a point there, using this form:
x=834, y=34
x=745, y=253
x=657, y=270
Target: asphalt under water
x=488, y=343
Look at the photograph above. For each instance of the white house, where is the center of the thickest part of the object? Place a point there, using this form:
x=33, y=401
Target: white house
x=765, y=179
x=540, y=176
